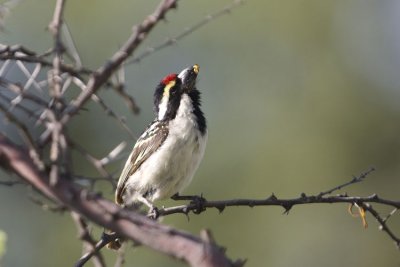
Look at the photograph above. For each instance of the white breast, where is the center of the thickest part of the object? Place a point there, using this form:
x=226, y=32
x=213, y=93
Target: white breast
x=171, y=168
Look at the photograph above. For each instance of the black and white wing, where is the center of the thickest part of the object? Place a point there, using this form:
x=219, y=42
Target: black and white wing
x=146, y=145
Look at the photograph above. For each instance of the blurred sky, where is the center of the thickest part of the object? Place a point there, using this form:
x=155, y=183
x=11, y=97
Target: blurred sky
x=299, y=96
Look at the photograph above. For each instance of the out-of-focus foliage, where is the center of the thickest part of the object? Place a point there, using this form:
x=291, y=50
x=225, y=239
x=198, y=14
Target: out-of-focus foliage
x=299, y=96
x=3, y=245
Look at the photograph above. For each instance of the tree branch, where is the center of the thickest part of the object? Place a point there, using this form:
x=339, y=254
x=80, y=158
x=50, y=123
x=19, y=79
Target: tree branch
x=201, y=206
x=18, y=52
x=55, y=28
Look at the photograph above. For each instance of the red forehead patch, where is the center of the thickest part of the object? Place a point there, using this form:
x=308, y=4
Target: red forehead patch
x=167, y=79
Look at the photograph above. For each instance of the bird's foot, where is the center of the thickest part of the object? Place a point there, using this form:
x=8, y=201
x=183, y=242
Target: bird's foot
x=153, y=213
x=196, y=201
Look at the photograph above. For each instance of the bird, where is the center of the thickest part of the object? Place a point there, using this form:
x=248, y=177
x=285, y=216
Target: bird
x=166, y=156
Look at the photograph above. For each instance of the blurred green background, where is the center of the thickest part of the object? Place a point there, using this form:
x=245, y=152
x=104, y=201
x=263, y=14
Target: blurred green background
x=299, y=96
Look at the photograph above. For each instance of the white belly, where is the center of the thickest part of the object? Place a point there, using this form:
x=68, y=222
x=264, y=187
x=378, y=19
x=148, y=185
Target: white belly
x=171, y=168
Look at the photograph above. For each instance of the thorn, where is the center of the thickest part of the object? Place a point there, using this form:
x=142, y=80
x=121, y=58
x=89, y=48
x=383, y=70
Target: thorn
x=287, y=208
x=272, y=197
x=187, y=216
x=221, y=209
x=185, y=210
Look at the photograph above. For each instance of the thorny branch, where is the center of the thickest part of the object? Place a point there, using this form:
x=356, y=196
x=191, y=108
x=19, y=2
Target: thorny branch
x=18, y=52
x=200, y=204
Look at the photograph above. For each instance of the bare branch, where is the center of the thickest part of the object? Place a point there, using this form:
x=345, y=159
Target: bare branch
x=16, y=49
x=54, y=27
x=119, y=87
x=18, y=52
x=88, y=242
x=11, y=183
x=58, y=150
x=120, y=257
x=356, y=179
x=47, y=207
x=94, y=161
x=71, y=44
x=382, y=223
x=105, y=239
x=21, y=127
x=17, y=89
x=30, y=76
x=113, y=154
x=171, y=41
x=18, y=105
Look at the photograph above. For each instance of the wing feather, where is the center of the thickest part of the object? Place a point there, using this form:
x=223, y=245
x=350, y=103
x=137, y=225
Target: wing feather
x=146, y=145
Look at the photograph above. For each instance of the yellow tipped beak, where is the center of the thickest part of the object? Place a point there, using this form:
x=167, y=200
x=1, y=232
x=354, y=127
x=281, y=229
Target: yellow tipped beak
x=196, y=68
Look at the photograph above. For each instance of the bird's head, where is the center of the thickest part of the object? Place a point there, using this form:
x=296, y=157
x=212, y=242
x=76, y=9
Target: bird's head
x=169, y=92
x=188, y=77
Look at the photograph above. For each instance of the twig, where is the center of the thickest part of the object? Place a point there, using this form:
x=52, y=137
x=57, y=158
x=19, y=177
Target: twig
x=54, y=27
x=119, y=87
x=356, y=179
x=105, y=107
x=58, y=149
x=89, y=243
x=15, y=49
x=11, y=183
x=30, y=76
x=26, y=110
x=26, y=135
x=93, y=160
x=47, y=207
x=120, y=257
x=105, y=239
x=17, y=89
x=171, y=41
x=382, y=223
x=73, y=71
x=113, y=154
x=71, y=44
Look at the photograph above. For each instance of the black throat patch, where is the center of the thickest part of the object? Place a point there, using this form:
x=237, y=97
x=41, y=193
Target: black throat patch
x=194, y=95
